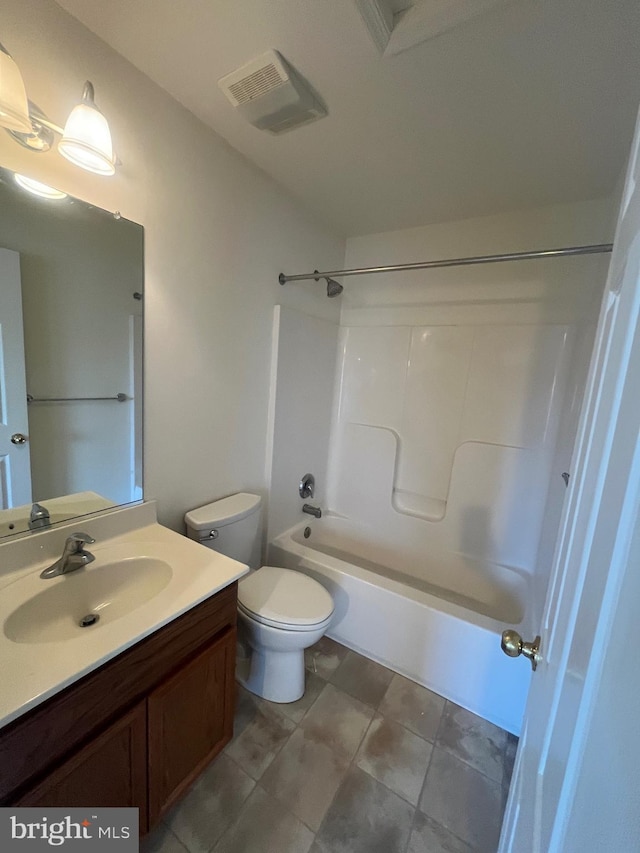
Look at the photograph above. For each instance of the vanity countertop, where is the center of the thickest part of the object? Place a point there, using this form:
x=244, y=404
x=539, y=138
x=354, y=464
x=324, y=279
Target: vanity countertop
x=32, y=670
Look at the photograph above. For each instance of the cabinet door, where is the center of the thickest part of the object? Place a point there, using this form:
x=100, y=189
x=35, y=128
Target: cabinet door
x=110, y=770
x=190, y=719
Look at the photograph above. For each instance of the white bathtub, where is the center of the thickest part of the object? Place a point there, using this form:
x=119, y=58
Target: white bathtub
x=436, y=620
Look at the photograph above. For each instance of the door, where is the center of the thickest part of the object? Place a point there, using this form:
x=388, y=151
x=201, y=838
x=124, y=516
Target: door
x=590, y=565
x=190, y=719
x=15, y=465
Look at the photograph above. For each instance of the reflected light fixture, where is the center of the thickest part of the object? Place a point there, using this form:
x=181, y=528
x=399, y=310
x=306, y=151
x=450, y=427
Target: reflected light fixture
x=38, y=188
x=86, y=138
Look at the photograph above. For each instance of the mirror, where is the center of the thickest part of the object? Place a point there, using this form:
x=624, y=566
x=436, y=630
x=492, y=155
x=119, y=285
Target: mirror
x=71, y=326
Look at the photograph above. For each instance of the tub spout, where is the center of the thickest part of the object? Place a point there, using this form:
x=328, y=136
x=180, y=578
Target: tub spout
x=312, y=510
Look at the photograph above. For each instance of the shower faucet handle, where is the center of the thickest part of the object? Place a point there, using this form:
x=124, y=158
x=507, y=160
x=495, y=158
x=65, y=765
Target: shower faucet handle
x=307, y=486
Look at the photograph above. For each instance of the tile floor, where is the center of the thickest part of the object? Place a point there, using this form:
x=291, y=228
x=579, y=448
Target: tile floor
x=366, y=762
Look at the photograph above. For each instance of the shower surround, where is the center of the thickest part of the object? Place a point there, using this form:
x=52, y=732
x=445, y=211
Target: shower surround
x=444, y=436
x=441, y=449
x=452, y=420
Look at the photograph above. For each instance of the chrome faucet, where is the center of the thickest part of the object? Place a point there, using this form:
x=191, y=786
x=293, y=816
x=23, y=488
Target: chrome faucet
x=39, y=517
x=73, y=556
x=312, y=510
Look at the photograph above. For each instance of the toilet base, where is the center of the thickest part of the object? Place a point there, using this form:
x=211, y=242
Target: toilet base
x=276, y=676
x=272, y=662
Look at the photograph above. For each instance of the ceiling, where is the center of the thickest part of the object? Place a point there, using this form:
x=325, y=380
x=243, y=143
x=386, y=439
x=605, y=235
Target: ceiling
x=530, y=103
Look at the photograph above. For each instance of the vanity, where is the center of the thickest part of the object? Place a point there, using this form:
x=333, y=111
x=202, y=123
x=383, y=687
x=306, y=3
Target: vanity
x=130, y=709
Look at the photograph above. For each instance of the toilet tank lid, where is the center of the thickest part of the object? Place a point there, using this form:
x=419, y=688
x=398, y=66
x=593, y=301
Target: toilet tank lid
x=222, y=512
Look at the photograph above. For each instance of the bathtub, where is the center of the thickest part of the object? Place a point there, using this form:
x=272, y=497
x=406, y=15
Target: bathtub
x=436, y=620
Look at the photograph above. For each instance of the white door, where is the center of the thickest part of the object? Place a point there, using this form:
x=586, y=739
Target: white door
x=15, y=466
x=590, y=564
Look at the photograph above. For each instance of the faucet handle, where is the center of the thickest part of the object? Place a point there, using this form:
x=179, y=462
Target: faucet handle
x=307, y=486
x=81, y=539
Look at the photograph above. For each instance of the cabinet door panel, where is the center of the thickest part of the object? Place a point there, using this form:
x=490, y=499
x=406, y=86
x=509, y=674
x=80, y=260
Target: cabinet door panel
x=110, y=770
x=190, y=719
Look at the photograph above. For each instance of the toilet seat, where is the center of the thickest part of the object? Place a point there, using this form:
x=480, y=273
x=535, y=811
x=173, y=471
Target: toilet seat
x=282, y=598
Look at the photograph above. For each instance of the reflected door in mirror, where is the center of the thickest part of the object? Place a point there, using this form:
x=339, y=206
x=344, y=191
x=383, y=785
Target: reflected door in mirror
x=15, y=469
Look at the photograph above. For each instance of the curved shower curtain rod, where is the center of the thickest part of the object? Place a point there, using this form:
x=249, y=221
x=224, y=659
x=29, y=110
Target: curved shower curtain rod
x=597, y=249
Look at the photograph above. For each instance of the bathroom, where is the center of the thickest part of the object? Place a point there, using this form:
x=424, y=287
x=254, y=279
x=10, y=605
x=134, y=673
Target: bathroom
x=241, y=390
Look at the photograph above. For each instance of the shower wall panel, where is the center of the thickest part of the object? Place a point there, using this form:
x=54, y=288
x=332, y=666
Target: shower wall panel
x=443, y=435
x=302, y=387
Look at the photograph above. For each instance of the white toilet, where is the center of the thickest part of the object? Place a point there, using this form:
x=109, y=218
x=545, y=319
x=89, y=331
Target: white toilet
x=280, y=612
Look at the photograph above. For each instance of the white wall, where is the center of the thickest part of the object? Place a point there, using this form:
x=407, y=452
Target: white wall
x=217, y=233
x=548, y=289
x=510, y=329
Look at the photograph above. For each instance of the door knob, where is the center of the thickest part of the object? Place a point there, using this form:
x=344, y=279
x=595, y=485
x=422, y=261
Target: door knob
x=513, y=645
x=18, y=438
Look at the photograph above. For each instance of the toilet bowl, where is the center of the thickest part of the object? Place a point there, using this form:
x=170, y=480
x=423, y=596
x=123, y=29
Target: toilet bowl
x=280, y=612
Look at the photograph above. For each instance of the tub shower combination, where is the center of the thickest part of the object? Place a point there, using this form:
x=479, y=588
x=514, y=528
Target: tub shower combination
x=442, y=451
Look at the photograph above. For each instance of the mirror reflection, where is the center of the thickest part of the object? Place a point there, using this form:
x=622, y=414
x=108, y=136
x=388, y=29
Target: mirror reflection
x=71, y=287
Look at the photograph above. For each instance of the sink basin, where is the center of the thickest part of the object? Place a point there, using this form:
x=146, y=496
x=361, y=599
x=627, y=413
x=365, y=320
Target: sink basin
x=144, y=576
x=107, y=590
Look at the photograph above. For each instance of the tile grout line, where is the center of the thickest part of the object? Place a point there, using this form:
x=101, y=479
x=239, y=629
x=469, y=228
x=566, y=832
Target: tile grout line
x=471, y=847
x=171, y=832
x=450, y=752
x=347, y=770
x=353, y=763
x=467, y=764
x=411, y=828
x=424, y=739
x=424, y=781
x=297, y=726
x=272, y=706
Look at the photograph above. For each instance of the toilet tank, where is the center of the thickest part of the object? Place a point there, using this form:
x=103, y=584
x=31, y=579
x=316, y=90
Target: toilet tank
x=229, y=526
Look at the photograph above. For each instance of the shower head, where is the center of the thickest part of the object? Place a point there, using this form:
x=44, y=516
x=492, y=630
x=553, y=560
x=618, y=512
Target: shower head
x=334, y=288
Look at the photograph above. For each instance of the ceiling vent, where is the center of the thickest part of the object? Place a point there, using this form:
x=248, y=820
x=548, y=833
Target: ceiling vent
x=271, y=95
x=397, y=25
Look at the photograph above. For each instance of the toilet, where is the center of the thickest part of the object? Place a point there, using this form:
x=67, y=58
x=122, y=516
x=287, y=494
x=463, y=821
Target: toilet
x=280, y=612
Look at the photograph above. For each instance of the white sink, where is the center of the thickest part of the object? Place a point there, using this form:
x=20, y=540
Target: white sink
x=143, y=577
x=107, y=590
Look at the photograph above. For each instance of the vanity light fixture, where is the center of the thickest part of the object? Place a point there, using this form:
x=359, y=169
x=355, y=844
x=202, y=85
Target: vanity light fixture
x=86, y=138
x=38, y=188
x=14, y=109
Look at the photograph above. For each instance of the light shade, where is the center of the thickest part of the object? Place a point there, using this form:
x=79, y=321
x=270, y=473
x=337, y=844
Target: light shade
x=86, y=140
x=14, y=109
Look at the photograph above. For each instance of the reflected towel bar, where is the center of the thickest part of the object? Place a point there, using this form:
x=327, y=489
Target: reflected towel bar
x=121, y=398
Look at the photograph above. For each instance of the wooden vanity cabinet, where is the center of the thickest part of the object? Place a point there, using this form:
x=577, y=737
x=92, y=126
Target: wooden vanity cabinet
x=110, y=770
x=189, y=719
x=138, y=730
